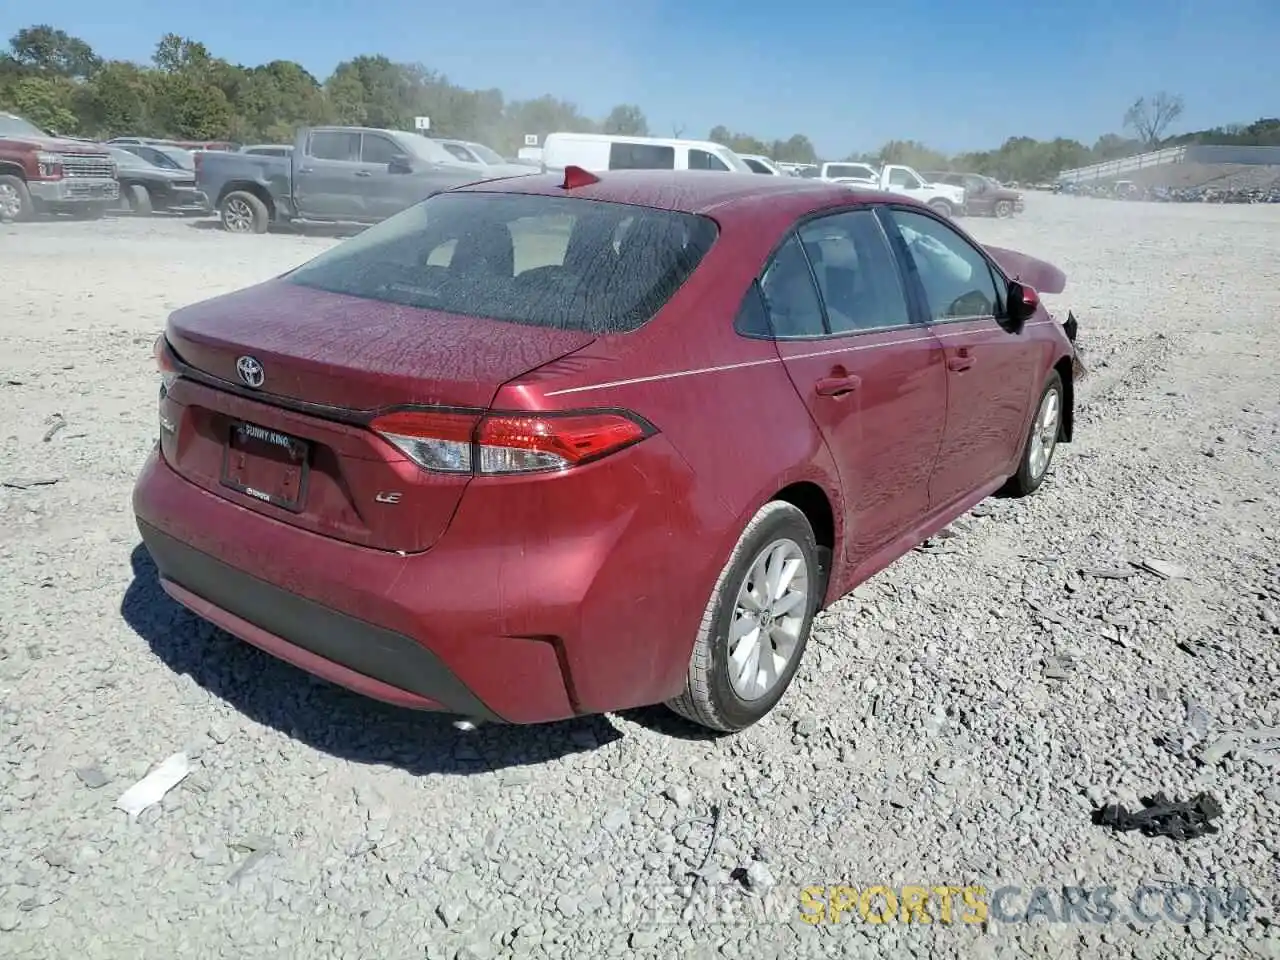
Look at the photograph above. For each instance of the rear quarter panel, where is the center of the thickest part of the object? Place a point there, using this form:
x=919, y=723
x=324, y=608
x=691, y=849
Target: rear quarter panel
x=221, y=172
x=725, y=405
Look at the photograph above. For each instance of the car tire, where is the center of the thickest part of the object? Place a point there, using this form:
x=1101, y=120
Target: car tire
x=15, y=200
x=1003, y=209
x=242, y=212
x=713, y=696
x=1038, y=450
x=942, y=207
x=138, y=199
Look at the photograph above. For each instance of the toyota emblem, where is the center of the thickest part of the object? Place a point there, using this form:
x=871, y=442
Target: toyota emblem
x=251, y=371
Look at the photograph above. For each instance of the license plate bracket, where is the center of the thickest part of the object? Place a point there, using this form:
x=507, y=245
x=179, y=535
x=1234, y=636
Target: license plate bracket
x=267, y=465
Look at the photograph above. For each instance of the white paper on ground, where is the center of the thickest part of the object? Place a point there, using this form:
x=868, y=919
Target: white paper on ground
x=152, y=788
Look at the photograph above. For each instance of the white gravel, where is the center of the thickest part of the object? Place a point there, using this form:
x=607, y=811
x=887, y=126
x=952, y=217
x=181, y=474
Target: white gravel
x=921, y=743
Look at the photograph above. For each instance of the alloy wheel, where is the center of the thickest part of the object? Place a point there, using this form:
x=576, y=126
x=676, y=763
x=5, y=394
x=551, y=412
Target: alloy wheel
x=768, y=618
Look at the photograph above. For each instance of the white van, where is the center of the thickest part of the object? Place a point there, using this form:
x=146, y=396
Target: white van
x=598, y=152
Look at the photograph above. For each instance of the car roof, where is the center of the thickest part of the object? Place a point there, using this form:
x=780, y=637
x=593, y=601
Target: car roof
x=692, y=191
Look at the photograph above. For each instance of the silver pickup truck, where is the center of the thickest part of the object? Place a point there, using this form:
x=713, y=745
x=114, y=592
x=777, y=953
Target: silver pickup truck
x=333, y=175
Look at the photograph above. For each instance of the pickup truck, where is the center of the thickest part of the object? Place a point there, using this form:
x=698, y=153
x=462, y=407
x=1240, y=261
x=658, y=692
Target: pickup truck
x=947, y=199
x=357, y=175
x=39, y=172
x=983, y=196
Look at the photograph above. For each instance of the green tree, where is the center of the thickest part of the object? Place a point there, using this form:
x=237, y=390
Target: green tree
x=795, y=149
x=119, y=100
x=42, y=49
x=626, y=119
x=44, y=101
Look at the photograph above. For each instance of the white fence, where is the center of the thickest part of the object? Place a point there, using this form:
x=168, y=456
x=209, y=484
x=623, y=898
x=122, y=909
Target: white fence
x=1114, y=168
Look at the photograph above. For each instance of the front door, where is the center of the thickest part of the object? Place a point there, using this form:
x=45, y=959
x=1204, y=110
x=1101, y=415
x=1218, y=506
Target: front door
x=872, y=375
x=991, y=371
x=377, y=151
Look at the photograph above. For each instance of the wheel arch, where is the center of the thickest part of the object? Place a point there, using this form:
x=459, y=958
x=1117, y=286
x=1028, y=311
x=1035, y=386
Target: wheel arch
x=1065, y=428
x=259, y=190
x=815, y=493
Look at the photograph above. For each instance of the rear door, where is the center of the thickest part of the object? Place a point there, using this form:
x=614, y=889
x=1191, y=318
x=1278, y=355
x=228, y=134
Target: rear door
x=991, y=372
x=871, y=374
x=325, y=185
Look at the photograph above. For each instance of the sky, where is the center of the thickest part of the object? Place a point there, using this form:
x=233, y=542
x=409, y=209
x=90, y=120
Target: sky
x=955, y=74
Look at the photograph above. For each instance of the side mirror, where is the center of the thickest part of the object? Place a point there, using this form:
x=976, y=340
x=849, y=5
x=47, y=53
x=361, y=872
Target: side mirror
x=1023, y=303
x=400, y=164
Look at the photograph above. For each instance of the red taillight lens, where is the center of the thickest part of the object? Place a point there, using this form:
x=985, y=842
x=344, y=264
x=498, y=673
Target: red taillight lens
x=164, y=363
x=515, y=444
x=506, y=443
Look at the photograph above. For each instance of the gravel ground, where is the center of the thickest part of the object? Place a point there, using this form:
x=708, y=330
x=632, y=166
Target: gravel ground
x=922, y=742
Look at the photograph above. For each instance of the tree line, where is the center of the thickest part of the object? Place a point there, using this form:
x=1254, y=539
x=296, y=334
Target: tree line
x=57, y=81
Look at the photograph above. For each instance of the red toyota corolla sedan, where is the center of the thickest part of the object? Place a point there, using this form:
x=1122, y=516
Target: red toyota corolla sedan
x=561, y=445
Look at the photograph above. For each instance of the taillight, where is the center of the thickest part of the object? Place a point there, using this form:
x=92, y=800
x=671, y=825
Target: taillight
x=506, y=443
x=164, y=363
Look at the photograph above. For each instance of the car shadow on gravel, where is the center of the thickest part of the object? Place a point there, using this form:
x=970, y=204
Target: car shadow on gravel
x=330, y=718
x=336, y=231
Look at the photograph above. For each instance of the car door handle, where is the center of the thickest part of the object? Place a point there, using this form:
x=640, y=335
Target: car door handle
x=961, y=362
x=306, y=169
x=837, y=386
x=363, y=173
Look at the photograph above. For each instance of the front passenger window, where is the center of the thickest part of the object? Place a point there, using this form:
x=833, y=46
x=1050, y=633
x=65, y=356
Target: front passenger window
x=376, y=149
x=790, y=298
x=702, y=160
x=957, y=279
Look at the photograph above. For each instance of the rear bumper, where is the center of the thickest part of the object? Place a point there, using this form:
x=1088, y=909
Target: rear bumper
x=74, y=190
x=371, y=660
x=186, y=198
x=522, y=612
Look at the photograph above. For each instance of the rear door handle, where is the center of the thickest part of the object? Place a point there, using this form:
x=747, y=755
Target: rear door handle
x=363, y=173
x=961, y=362
x=837, y=386
x=306, y=169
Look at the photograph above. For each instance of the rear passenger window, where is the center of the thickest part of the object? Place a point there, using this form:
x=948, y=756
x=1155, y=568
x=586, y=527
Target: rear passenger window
x=702, y=160
x=857, y=273
x=641, y=156
x=335, y=145
x=790, y=298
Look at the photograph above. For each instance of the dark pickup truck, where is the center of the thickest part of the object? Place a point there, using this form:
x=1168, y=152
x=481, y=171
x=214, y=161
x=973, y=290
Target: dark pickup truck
x=333, y=175
x=983, y=196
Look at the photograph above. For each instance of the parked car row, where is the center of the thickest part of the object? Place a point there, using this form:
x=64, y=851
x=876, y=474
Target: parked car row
x=359, y=175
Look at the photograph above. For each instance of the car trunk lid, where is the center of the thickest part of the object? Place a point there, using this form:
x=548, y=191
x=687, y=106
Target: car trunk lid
x=1043, y=276
x=295, y=446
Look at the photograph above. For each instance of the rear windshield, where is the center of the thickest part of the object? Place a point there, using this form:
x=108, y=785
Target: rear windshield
x=559, y=262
